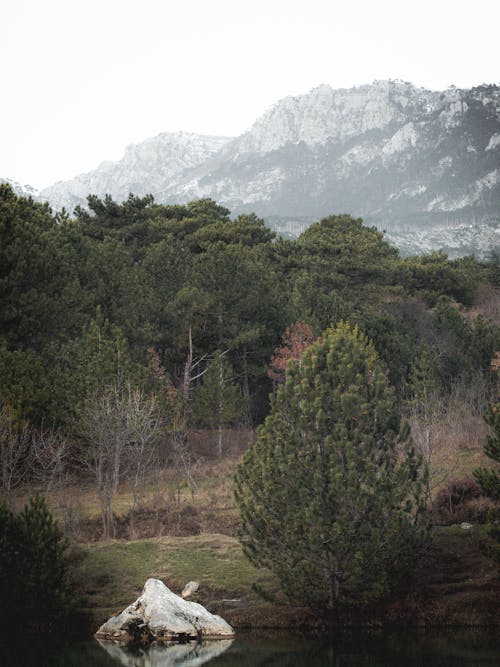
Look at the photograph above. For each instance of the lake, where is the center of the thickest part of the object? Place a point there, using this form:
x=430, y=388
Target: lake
x=457, y=647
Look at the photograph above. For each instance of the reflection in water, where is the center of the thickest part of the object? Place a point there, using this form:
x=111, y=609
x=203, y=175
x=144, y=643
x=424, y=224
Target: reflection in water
x=457, y=647
x=190, y=654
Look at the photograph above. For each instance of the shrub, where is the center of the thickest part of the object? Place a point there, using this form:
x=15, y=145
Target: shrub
x=457, y=501
x=33, y=569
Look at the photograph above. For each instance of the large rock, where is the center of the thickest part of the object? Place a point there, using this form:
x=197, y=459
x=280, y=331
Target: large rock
x=190, y=589
x=162, y=615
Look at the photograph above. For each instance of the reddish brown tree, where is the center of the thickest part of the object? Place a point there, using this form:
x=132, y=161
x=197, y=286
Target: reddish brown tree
x=296, y=339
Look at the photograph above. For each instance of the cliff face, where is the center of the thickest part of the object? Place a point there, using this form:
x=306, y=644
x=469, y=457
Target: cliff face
x=403, y=158
x=145, y=168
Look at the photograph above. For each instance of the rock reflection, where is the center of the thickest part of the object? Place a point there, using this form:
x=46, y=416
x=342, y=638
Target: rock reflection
x=190, y=654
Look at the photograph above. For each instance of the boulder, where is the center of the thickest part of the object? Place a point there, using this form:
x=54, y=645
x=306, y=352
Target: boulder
x=159, y=614
x=190, y=588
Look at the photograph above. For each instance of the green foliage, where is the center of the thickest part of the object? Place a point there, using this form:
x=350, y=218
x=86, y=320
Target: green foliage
x=187, y=280
x=489, y=478
x=425, y=385
x=344, y=259
x=395, y=343
x=489, y=481
x=463, y=347
x=493, y=267
x=330, y=495
x=25, y=381
x=99, y=357
x=315, y=302
x=39, y=289
x=217, y=399
x=433, y=275
x=484, y=342
x=33, y=569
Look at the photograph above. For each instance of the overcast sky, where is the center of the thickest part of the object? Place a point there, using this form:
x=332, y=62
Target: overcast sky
x=81, y=79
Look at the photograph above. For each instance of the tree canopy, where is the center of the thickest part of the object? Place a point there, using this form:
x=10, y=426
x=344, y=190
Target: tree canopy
x=82, y=296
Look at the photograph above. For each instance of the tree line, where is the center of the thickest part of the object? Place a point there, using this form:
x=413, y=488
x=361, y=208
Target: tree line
x=160, y=318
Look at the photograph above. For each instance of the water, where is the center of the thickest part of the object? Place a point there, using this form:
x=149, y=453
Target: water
x=457, y=647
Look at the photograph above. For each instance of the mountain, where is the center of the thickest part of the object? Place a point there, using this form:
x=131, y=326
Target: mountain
x=21, y=190
x=145, y=168
x=421, y=164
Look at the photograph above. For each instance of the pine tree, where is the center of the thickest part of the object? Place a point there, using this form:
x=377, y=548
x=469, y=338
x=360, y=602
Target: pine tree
x=489, y=481
x=330, y=494
x=33, y=569
x=217, y=401
x=489, y=478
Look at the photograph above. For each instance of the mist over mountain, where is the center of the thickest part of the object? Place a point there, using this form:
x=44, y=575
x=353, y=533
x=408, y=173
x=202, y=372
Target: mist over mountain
x=420, y=164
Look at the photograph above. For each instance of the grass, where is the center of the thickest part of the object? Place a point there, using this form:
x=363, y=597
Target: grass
x=455, y=585
x=460, y=585
x=217, y=562
x=110, y=575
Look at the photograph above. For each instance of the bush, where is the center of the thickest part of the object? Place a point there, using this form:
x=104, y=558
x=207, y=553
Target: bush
x=459, y=501
x=33, y=569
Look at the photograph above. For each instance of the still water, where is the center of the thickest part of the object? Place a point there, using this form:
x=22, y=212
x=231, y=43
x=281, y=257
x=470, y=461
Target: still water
x=455, y=648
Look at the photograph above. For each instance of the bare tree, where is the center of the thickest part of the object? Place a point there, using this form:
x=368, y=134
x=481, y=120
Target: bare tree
x=145, y=430
x=190, y=374
x=120, y=425
x=176, y=405
x=15, y=450
x=178, y=431
x=49, y=453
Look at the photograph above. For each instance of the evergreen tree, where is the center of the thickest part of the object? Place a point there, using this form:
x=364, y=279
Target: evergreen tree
x=33, y=569
x=425, y=385
x=218, y=402
x=330, y=495
x=489, y=478
x=489, y=481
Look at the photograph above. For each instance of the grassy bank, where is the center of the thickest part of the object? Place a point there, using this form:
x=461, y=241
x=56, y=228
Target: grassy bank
x=110, y=575
x=456, y=584
x=181, y=532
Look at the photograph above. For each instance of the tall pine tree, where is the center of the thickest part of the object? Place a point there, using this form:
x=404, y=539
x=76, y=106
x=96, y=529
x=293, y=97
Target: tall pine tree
x=489, y=481
x=330, y=495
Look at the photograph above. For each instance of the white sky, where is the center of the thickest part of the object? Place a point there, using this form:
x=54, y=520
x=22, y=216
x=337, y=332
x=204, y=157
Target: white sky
x=81, y=79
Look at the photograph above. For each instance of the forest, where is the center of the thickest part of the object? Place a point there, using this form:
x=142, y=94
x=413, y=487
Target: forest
x=191, y=309
x=130, y=328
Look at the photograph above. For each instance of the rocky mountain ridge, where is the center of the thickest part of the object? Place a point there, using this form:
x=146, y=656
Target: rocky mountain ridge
x=145, y=168
x=422, y=165
x=20, y=189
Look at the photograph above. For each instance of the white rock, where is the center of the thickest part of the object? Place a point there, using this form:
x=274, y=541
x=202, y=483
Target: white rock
x=493, y=142
x=190, y=588
x=405, y=138
x=164, y=615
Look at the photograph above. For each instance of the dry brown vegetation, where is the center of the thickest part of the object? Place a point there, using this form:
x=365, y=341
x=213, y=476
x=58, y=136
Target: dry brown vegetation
x=487, y=304
x=169, y=503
